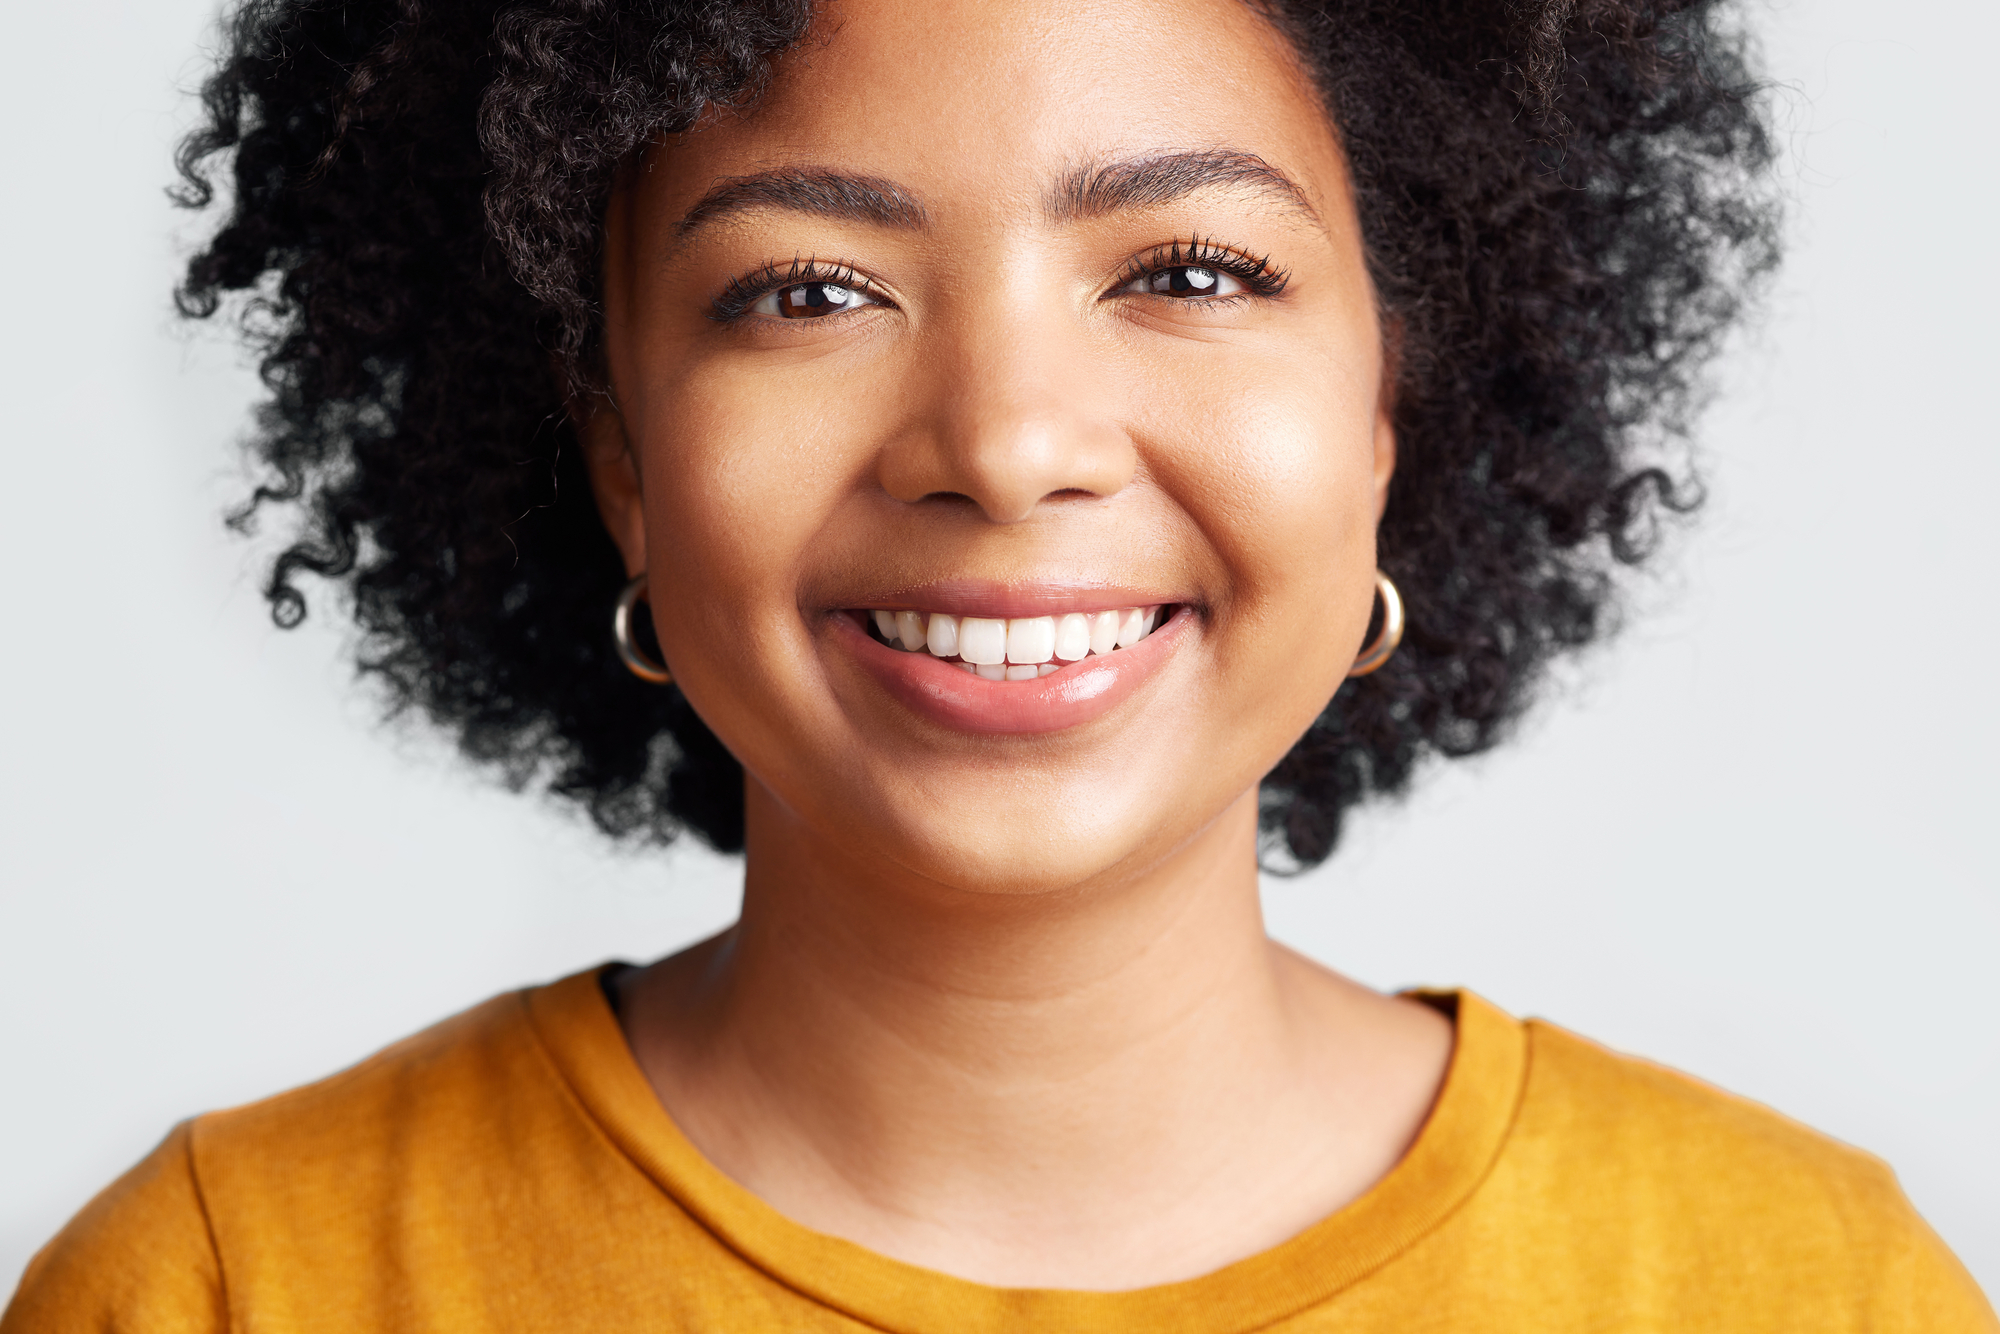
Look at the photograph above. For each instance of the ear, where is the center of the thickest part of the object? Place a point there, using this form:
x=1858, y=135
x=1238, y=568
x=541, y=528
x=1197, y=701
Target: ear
x=1385, y=415
x=614, y=480
x=1385, y=458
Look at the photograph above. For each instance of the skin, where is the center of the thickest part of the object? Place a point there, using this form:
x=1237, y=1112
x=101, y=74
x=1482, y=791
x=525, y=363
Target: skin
x=1004, y=1006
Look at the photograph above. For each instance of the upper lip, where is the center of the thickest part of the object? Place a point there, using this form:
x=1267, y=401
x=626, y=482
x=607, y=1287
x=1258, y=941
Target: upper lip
x=1004, y=601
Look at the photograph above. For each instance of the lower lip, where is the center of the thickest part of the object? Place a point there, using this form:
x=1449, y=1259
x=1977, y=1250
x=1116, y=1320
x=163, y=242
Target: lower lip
x=952, y=697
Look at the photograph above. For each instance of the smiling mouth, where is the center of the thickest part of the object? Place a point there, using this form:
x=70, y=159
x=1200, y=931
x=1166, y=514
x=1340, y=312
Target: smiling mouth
x=1021, y=648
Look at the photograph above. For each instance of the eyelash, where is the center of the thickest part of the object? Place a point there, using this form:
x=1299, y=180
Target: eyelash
x=1256, y=274
x=745, y=291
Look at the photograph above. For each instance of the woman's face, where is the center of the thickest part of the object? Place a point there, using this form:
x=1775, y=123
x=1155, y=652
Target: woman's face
x=1052, y=309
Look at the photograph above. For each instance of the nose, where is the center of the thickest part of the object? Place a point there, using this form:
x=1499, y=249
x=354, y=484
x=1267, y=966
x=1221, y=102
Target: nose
x=1009, y=424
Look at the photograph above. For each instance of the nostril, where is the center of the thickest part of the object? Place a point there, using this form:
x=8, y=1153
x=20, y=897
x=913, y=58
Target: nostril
x=960, y=500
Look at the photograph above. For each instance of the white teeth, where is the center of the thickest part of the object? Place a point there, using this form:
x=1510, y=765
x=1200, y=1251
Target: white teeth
x=970, y=669
x=942, y=638
x=1104, y=632
x=1031, y=639
x=1073, y=637
x=982, y=641
x=1021, y=648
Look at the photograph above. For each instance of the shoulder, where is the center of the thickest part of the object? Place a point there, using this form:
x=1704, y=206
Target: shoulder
x=1652, y=1173
x=139, y=1256
x=1582, y=1100
x=308, y=1179
x=427, y=1086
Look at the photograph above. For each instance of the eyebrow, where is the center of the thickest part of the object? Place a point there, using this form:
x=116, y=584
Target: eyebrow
x=1101, y=188
x=1087, y=192
x=826, y=194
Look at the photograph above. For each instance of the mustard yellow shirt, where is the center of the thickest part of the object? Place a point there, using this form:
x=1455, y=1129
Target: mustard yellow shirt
x=511, y=1170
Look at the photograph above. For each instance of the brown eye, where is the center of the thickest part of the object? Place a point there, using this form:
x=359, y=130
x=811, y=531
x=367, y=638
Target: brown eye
x=1187, y=281
x=809, y=301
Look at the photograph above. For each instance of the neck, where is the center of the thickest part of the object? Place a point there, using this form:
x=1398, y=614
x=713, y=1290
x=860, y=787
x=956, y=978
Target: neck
x=939, y=1073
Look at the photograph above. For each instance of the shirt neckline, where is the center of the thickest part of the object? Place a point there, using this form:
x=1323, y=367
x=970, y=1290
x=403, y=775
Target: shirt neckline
x=1459, y=1141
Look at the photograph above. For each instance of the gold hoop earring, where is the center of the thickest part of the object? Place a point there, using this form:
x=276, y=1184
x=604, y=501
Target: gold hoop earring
x=1391, y=634
x=629, y=652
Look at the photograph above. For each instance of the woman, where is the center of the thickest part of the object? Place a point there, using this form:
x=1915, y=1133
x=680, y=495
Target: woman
x=1001, y=467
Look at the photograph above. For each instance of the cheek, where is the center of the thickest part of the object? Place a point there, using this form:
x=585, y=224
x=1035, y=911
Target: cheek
x=738, y=480
x=1275, y=465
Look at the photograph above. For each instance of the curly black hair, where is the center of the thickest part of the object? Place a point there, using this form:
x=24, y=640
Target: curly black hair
x=1564, y=203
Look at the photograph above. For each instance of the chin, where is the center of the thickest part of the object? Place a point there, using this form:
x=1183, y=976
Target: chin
x=1030, y=849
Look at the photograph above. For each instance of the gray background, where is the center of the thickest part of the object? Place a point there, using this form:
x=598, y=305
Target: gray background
x=1746, y=840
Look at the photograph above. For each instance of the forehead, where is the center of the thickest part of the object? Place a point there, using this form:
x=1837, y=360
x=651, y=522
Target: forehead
x=1002, y=102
